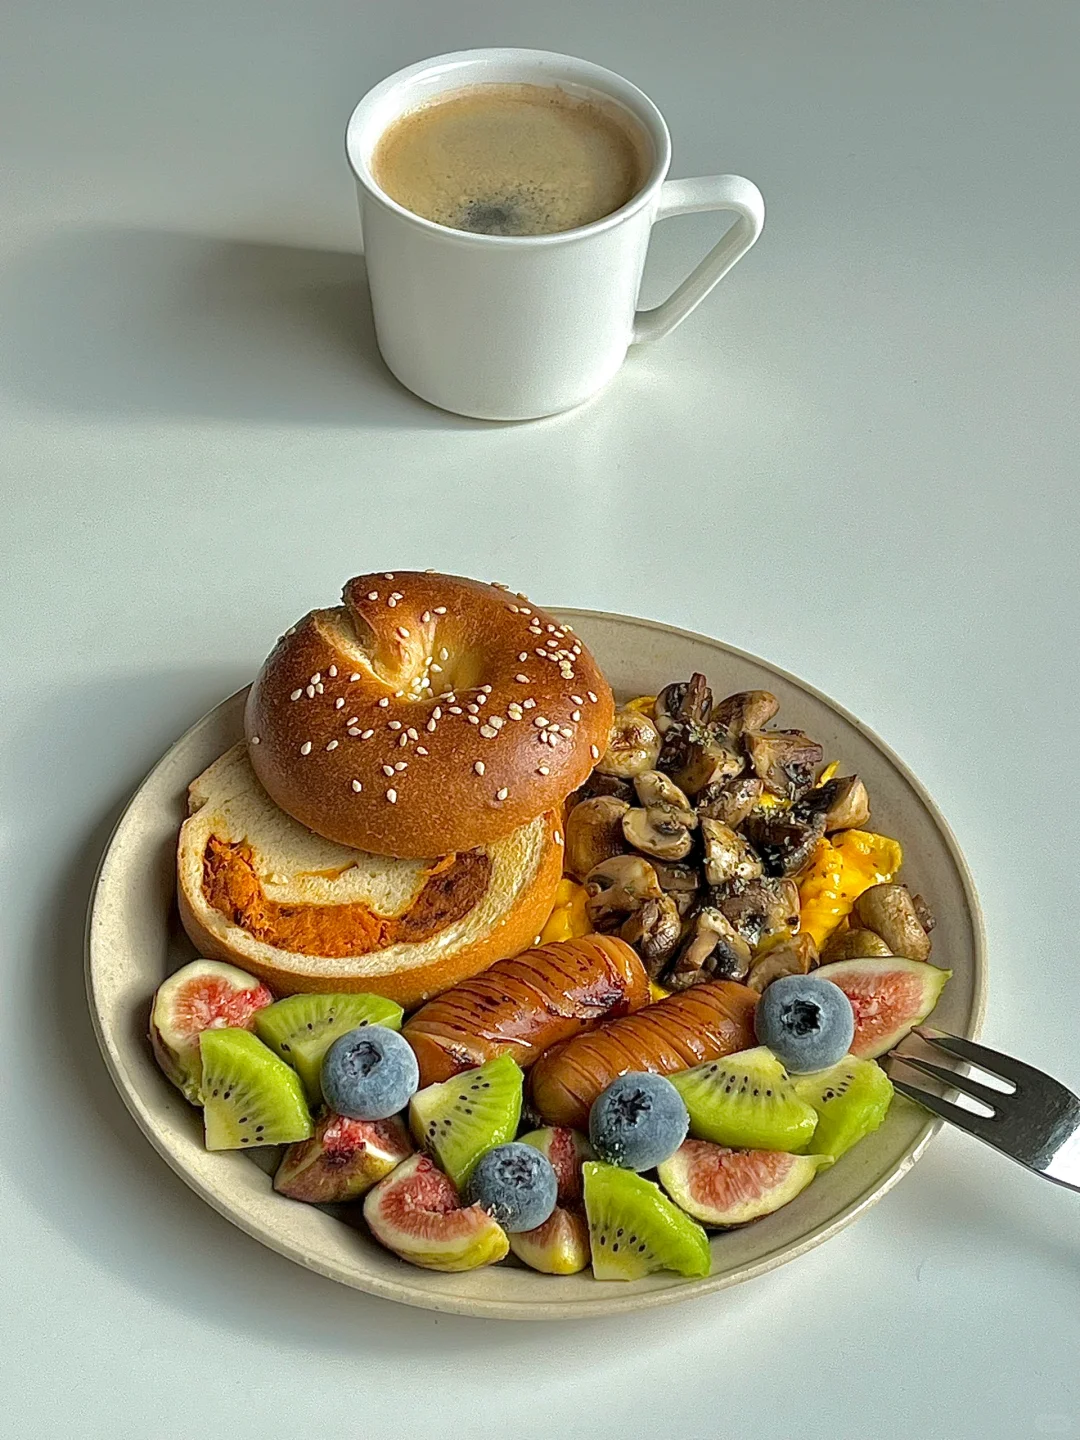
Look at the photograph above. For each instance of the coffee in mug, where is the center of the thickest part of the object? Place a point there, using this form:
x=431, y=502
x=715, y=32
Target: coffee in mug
x=506, y=200
x=513, y=159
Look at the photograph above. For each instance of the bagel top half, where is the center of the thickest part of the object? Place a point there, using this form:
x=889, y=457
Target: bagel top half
x=426, y=714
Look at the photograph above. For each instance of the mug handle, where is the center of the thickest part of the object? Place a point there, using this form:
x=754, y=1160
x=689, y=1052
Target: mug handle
x=689, y=197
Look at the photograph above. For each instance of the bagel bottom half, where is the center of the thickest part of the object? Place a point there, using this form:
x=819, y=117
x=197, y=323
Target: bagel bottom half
x=257, y=889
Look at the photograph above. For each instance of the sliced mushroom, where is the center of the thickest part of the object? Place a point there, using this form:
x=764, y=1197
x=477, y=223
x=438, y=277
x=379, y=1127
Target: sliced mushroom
x=598, y=784
x=727, y=855
x=854, y=945
x=657, y=791
x=677, y=879
x=713, y=950
x=694, y=751
x=681, y=882
x=662, y=828
x=709, y=760
x=594, y=833
x=633, y=745
x=658, y=831
x=687, y=702
x=747, y=710
x=890, y=912
x=654, y=932
x=666, y=705
x=784, y=843
x=618, y=887
x=730, y=801
x=784, y=759
x=843, y=802
x=791, y=957
x=758, y=908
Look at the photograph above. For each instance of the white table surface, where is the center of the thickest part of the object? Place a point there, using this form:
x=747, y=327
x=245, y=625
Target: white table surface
x=859, y=458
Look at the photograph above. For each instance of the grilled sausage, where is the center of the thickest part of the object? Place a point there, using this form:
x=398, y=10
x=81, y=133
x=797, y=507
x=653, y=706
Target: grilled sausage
x=521, y=1006
x=700, y=1024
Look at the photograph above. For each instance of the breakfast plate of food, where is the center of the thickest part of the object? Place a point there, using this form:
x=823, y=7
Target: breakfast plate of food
x=541, y=960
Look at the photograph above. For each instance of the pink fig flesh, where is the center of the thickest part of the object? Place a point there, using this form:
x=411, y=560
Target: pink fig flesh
x=558, y=1247
x=415, y=1212
x=343, y=1159
x=567, y=1150
x=888, y=996
x=720, y=1186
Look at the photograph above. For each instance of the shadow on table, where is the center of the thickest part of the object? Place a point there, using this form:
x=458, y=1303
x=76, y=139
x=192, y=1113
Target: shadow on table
x=129, y=322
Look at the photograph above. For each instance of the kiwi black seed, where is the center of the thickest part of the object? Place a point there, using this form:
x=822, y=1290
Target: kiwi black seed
x=746, y=1100
x=461, y=1118
x=250, y=1096
x=302, y=1028
x=660, y=1237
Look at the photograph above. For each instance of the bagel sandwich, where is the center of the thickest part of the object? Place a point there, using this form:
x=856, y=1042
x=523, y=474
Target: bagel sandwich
x=261, y=891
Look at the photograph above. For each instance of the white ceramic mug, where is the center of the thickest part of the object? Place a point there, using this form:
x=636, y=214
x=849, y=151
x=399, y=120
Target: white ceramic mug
x=512, y=327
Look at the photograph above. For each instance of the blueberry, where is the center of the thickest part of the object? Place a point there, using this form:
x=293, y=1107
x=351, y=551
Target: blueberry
x=369, y=1073
x=638, y=1122
x=515, y=1184
x=807, y=1023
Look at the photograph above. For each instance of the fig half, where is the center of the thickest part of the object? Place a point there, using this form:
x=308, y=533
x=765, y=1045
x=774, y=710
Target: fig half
x=719, y=1186
x=343, y=1159
x=415, y=1212
x=889, y=995
x=561, y=1245
x=205, y=995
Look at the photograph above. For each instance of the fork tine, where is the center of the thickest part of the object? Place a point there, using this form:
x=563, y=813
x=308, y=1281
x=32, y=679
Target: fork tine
x=990, y=1060
x=955, y=1081
x=980, y=1126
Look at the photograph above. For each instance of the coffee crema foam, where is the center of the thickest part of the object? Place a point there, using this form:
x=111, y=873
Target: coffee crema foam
x=512, y=160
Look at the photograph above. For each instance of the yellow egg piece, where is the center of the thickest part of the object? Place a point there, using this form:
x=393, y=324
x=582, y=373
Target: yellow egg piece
x=643, y=704
x=568, y=919
x=841, y=869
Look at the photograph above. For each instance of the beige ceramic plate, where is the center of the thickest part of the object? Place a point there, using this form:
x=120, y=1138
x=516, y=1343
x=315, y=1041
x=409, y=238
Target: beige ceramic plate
x=135, y=940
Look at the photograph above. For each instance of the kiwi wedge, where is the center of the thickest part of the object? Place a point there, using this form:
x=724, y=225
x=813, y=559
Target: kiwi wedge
x=249, y=1096
x=301, y=1028
x=461, y=1118
x=851, y=1099
x=634, y=1228
x=746, y=1101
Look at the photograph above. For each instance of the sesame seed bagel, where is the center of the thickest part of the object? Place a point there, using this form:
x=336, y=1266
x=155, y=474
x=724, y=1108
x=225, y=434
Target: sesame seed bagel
x=427, y=714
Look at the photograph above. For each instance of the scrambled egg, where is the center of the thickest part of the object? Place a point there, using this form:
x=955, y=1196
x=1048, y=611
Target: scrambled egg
x=568, y=919
x=839, y=872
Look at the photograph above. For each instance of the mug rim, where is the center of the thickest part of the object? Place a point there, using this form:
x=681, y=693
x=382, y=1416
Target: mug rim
x=607, y=82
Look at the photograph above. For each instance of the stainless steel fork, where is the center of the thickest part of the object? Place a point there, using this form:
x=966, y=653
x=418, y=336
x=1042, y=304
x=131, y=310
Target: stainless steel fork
x=1036, y=1121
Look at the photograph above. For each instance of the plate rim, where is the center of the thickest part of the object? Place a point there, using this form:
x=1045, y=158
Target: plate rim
x=605, y=1305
